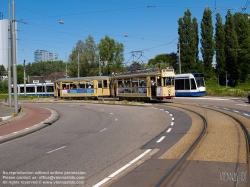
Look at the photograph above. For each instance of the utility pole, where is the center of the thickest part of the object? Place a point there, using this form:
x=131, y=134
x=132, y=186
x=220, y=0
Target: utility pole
x=14, y=58
x=24, y=77
x=78, y=66
x=66, y=65
x=9, y=59
x=100, y=72
x=179, y=55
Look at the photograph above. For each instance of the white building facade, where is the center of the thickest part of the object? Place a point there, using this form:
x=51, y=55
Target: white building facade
x=43, y=56
x=4, y=43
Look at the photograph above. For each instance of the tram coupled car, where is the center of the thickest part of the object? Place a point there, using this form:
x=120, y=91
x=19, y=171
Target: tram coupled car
x=157, y=84
x=38, y=89
x=82, y=87
x=190, y=85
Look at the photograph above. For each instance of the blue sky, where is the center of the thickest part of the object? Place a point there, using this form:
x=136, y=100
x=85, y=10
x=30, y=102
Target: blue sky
x=150, y=25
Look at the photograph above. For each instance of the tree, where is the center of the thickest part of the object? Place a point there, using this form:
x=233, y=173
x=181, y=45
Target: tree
x=231, y=47
x=188, y=34
x=207, y=42
x=164, y=60
x=242, y=29
x=220, y=48
x=73, y=59
x=3, y=71
x=44, y=68
x=111, y=55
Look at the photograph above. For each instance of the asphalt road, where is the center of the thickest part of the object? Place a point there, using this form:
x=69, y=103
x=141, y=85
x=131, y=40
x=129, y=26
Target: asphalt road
x=97, y=140
x=93, y=139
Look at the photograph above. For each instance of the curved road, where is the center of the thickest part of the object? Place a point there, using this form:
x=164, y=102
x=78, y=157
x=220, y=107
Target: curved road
x=97, y=140
x=89, y=138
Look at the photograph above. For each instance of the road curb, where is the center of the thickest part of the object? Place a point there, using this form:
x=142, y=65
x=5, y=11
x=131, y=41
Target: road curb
x=52, y=119
x=22, y=113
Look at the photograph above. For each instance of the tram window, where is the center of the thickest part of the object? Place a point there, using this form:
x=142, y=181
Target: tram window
x=127, y=82
x=135, y=83
x=49, y=88
x=187, y=84
x=105, y=83
x=21, y=89
x=40, y=89
x=200, y=81
x=159, y=81
x=99, y=84
x=168, y=81
x=179, y=84
x=30, y=89
x=120, y=83
x=142, y=82
x=193, y=86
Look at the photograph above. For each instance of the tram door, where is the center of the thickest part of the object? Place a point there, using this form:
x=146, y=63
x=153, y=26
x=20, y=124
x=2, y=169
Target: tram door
x=153, y=86
x=100, y=88
x=55, y=90
x=112, y=88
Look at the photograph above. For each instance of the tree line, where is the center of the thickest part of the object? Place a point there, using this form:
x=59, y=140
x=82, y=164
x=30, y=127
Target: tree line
x=227, y=44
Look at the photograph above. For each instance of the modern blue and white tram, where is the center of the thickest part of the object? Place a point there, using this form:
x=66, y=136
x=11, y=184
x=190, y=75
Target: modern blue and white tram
x=39, y=89
x=190, y=85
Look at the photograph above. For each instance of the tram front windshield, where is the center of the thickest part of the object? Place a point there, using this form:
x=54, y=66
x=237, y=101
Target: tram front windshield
x=200, y=81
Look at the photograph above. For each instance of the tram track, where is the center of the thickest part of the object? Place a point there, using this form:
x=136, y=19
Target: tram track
x=203, y=138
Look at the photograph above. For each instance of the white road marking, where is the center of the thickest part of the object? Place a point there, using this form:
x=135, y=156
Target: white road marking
x=158, y=141
x=167, y=111
x=172, y=119
x=15, y=132
x=5, y=117
x=172, y=123
x=236, y=111
x=246, y=114
x=56, y=149
x=169, y=129
x=215, y=107
x=103, y=130
x=116, y=119
x=121, y=169
x=242, y=104
x=27, y=128
x=111, y=113
x=225, y=108
x=171, y=114
x=101, y=182
x=161, y=109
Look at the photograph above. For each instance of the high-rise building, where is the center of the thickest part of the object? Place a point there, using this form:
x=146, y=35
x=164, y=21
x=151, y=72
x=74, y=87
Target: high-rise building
x=4, y=43
x=43, y=56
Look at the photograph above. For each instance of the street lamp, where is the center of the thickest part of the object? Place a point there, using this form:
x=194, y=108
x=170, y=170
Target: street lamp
x=14, y=58
x=179, y=45
x=24, y=77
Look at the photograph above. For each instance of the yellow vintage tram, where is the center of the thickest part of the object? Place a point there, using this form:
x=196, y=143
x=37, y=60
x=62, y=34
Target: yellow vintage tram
x=152, y=84
x=82, y=87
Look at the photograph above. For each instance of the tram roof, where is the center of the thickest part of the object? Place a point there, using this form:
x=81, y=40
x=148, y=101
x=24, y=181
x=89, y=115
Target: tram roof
x=81, y=78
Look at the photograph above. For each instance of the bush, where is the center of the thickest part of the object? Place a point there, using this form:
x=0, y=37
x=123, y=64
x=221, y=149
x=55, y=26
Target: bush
x=3, y=86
